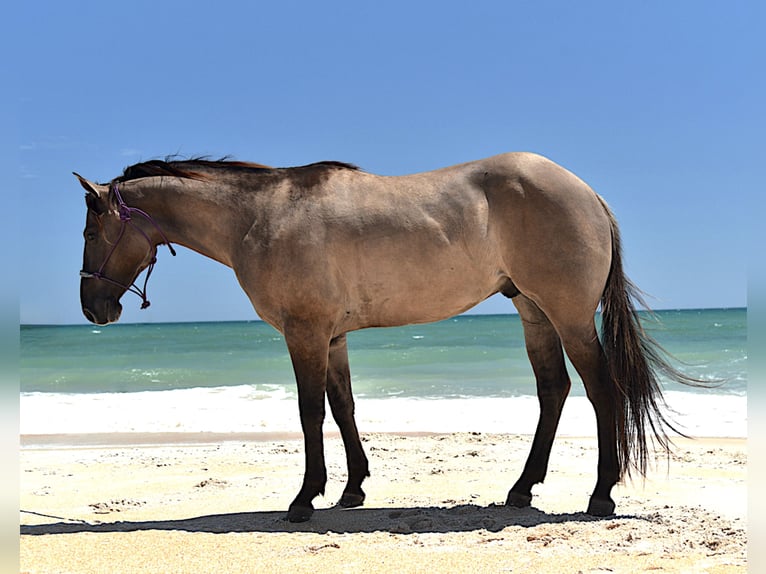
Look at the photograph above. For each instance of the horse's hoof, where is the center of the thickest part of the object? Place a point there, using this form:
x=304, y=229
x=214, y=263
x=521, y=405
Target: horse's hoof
x=518, y=499
x=299, y=513
x=351, y=500
x=601, y=507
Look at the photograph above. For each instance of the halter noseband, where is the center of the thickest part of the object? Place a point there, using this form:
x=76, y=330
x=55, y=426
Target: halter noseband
x=126, y=213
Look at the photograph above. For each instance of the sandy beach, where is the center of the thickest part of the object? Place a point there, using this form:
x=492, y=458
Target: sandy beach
x=216, y=503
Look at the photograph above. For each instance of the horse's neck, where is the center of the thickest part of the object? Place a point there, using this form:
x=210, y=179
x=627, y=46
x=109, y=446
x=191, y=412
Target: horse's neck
x=196, y=214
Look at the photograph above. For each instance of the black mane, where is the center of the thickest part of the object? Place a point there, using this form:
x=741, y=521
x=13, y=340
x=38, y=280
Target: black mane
x=200, y=168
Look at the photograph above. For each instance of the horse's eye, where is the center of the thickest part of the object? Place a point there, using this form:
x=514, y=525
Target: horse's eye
x=90, y=235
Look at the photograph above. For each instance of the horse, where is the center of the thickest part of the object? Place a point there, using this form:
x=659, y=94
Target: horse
x=327, y=248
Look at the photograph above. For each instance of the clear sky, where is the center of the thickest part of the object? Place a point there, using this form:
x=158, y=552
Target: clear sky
x=658, y=105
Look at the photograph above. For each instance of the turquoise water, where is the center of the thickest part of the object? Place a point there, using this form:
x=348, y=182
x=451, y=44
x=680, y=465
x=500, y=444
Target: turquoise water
x=468, y=356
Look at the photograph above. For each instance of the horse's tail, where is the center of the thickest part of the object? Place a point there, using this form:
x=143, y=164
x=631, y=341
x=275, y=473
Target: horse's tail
x=634, y=361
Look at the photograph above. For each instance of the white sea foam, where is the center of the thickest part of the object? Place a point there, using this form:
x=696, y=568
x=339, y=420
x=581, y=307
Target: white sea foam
x=248, y=408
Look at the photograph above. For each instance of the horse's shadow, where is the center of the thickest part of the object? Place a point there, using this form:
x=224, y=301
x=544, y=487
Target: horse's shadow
x=414, y=520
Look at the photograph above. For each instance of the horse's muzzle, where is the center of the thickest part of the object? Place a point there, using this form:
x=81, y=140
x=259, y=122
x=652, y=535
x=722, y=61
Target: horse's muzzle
x=102, y=311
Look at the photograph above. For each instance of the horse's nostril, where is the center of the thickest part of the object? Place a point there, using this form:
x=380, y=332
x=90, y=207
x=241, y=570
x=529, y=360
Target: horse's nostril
x=89, y=315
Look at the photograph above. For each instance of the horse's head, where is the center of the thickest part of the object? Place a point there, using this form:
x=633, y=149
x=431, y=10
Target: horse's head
x=115, y=254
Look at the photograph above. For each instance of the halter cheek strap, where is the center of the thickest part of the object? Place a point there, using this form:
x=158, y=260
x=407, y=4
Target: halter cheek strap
x=126, y=217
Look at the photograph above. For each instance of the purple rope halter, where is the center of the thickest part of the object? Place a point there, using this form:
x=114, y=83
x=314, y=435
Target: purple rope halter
x=126, y=218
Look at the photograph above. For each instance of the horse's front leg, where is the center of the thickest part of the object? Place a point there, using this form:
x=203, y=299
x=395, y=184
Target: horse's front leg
x=309, y=351
x=342, y=406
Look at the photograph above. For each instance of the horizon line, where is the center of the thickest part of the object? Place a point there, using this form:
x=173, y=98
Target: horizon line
x=259, y=320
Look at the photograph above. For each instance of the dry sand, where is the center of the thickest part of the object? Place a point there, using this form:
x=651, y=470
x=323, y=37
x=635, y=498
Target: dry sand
x=207, y=503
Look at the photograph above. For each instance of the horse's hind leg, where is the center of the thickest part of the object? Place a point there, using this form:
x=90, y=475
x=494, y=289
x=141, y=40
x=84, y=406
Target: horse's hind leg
x=342, y=406
x=584, y=350
x=547, y=358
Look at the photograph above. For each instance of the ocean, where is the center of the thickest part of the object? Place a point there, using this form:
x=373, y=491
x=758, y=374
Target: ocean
x=469, y=373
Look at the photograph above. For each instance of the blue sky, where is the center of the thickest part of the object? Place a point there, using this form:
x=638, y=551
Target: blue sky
x=658, y=105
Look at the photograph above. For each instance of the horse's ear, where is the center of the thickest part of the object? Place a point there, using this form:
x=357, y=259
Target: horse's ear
x=94, y=189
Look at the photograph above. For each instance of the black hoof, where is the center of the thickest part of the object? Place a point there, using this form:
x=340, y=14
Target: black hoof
x=601, y=507
x=351, y=500
x=518, y=499
x=299, y=513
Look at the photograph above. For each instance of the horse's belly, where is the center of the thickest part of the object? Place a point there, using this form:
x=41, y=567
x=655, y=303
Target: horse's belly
x=417, y=290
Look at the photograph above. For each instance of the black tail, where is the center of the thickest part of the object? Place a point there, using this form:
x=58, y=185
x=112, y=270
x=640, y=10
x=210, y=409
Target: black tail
x=634, y=360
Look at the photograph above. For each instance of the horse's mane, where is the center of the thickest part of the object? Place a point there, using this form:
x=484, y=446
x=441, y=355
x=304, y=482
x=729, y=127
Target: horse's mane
x=200, y=168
